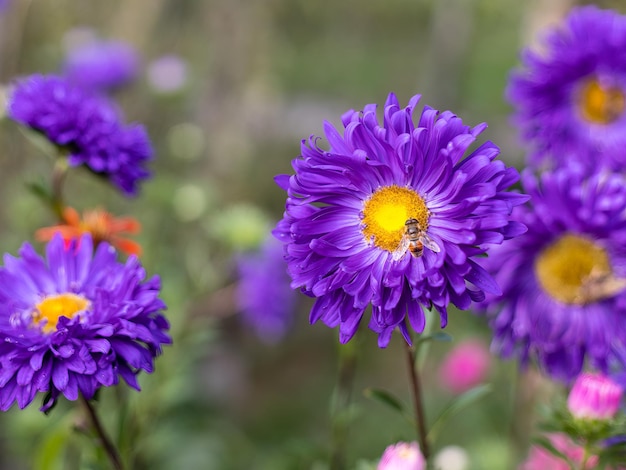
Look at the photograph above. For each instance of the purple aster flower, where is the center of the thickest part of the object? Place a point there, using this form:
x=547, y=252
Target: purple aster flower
x=101, y=65
x=392, y=215
x=74, y=322
x=563, y=281
x=570, y=99
x=86, y=125
x=264, y=295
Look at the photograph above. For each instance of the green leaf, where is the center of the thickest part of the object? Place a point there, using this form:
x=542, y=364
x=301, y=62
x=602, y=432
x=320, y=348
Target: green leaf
x=422, y=345
x=440, y=336
x=39, y=140
x=456, y=405
x=50, y=451
x=40, y=190
x=386, y=398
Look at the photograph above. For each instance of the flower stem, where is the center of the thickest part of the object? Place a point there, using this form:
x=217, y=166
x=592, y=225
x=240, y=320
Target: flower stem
x=107, y=445
x=583, y=462
x=418, y=402
x=341, y=404
x=58, y=178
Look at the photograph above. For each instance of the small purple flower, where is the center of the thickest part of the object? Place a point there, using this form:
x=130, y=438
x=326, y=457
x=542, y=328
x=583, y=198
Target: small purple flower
x=357, y=214
x=86, y=125
x=75, y=322
x=101, y=65
x=594, y=396
x=264, y=295
x=570, y=99
x=564, y=281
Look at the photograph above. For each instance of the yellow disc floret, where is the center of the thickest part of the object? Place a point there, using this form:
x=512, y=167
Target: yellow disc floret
x=575, y=270
x=386, y=212
x=600, y=104
x=54, y=307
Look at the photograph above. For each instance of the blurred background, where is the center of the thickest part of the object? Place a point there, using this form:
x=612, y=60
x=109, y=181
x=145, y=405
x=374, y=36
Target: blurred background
x=227, y=89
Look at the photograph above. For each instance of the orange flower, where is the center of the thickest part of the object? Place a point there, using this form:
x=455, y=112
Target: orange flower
x=100, y=224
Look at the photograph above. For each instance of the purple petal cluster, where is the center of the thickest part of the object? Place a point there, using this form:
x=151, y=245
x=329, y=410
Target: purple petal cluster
x=264, y=295
x=86, y=125
x=101, y=65
x=331, y=259
x=529, y=322
x=548, y=92
x=118, y=334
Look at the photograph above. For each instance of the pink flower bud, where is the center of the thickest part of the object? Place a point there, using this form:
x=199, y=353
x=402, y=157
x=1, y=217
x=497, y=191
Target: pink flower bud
x=594, y=396
x=402, y=456
x=465, y=366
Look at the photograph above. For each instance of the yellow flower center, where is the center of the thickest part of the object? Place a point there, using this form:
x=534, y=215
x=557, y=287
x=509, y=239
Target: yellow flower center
x=599, y=104
x=574, y=270
x=54, y=307
x=386, y=212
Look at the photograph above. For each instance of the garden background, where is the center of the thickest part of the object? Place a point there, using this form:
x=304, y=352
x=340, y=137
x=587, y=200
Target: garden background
x=260, y=76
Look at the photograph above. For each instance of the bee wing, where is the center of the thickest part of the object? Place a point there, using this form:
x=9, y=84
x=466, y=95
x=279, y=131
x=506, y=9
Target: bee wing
x=429, y=243
x=402, y=248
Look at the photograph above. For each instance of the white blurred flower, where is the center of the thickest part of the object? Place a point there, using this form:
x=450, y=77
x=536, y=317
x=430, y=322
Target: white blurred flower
x=452, y=458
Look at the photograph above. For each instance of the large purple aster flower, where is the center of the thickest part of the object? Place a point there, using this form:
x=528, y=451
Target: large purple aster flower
x=86, y=125
x=264, y=295
x=101, y=65
x=563, y=282
x=570, y=99
x=75, y=322
x=392, y=215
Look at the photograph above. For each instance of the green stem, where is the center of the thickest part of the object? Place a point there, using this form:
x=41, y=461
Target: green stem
x=107, y=445
x=341, y=404
x=583, y=462
x=418, y=402
x=58, y=178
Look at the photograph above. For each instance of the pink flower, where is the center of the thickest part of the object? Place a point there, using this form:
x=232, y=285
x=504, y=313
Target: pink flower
x=465, y=366
x=594, y=396
x=541, y=459
x=402, y=456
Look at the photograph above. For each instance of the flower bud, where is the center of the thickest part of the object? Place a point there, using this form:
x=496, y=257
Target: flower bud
x=594, y=396
x=402, y=456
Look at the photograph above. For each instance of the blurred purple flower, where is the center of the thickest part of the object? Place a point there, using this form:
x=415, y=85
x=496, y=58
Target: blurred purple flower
x=345, y=223
x=86, y=125
x=75, y=322
x=101, y=65
x=570, y=99
x=264, y=295
x=167, y=74
x=563, y=281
